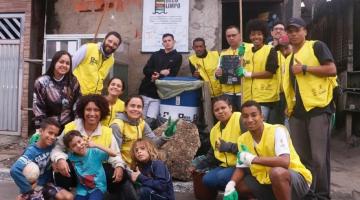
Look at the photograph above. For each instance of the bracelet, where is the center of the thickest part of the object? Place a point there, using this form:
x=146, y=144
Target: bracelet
x=304, y=68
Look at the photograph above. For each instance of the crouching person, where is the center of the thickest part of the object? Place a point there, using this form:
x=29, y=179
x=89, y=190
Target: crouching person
x=268, y=166
x=32, y=171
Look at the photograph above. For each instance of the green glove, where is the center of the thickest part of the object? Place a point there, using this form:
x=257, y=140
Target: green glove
x=240, y=71
x=34, y=138
x=241, y=50
x=243, y=147
x=231, y=196
x=170, y=128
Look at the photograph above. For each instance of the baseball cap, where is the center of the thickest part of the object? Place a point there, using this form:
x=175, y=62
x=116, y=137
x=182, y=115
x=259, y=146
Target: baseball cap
x=297, y=22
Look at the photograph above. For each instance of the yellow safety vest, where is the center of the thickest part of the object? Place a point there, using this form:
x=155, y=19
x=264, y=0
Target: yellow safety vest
x=92, y=70
x=315, y=91
x=130, y=135
x=266, y=148
x=257, y=89
x=119, y=106
x=281, y=69
x=230, y=133
x=104, y=139
x=207, y=67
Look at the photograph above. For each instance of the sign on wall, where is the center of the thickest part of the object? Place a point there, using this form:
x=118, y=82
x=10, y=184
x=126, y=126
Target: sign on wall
x=165, y=16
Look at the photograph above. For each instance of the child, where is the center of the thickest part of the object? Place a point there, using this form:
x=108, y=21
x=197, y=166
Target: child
x=39, y=154
x=152, y=174
x=88, y=167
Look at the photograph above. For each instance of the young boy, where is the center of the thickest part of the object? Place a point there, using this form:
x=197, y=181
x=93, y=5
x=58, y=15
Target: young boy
x=39, y=153
x=88, y=167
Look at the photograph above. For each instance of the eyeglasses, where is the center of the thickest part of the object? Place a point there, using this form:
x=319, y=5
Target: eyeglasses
x=279, y=29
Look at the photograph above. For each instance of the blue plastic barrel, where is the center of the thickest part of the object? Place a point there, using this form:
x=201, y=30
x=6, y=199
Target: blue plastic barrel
x=184, y=106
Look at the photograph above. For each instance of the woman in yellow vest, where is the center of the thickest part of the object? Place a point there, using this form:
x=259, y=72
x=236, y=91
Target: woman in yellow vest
x=261, y=83
x=115, y=89
x=221, y=158
x=91, y=109
x=276, y=171
x=130, y=126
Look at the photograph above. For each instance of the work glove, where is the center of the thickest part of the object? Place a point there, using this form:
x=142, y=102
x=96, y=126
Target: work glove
x=34, y=138
x=244, y=156
x=170, y=128
x=241, y=72
x=239, y=160
x=241, y=50
x=230, y=192
x=227, y=146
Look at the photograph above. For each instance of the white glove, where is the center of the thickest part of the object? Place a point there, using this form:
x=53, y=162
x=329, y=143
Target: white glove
x=246, y=158
x=230, y=187
x=247, y=74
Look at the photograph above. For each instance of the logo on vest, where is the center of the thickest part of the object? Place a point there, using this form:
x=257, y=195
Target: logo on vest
x=93, y=61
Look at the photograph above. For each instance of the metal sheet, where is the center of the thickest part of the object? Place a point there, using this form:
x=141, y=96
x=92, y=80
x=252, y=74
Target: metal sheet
x=9, y=80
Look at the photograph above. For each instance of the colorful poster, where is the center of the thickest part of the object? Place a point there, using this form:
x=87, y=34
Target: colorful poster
x=165, y=16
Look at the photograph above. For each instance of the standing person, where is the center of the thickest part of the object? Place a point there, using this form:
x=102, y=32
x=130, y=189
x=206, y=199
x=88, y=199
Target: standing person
x=277, y=31
x=203, y=65
x=233, y=92
x=56, y=92
x=165, y=62
x=150, y=172
x=268, y=166
x=87, y=158
x=39, y=154
x=90, y=110
x=92, y=62
x=115, y=89
x=309, y=81
x=260, y=79
x=220, y=160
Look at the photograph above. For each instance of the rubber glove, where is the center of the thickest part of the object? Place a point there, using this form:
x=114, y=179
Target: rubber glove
x=241, y=72
x=230, y=192
x=34, y=138
x=243, y=148
x=246, y=158
x=170, y=128
x=241, y=50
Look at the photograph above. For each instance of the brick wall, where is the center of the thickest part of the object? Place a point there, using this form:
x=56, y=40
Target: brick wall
x=22, y=6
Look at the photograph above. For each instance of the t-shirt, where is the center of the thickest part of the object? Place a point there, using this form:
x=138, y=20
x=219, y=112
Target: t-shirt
x=324, y=55
x=89, y=171
x=41, y=157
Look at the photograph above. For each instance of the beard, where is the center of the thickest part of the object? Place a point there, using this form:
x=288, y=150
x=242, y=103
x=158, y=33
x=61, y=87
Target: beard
x=107, y=50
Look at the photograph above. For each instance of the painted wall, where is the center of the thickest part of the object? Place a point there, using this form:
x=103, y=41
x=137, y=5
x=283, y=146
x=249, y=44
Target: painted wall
x=126, y=17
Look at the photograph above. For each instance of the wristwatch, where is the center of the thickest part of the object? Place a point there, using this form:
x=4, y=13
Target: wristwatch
x=304, y=68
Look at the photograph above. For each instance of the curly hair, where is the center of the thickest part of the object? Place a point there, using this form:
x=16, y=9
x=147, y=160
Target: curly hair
x=150, y=147
x=99, y=101
x=257, y=25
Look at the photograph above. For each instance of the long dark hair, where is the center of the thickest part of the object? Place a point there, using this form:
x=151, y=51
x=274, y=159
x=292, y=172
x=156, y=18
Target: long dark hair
x=68, y=76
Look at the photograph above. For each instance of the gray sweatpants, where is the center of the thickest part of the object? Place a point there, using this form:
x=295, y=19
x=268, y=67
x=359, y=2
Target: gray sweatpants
x=311, y=139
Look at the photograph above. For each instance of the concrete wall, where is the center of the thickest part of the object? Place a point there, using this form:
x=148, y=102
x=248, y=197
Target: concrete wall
x=204, y=22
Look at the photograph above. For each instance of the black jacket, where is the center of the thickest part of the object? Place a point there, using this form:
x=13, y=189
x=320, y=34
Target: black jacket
x=157, y=62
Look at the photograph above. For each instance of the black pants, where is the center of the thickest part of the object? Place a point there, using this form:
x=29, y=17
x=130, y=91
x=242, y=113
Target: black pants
x=123, y=190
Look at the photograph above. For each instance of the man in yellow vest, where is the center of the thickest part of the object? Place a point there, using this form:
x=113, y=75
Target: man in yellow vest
x=309, y=80
x=92, y=62
x=203, y=65
x=232, y=91
x=268, y=166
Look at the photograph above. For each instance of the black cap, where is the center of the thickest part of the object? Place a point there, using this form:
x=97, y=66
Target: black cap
x=297, y=22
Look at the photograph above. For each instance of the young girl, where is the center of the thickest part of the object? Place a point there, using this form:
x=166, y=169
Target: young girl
x=152, y=174
x=115, y=89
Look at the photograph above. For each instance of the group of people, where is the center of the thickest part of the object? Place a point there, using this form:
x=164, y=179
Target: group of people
x=288, y=81
x=98, y=143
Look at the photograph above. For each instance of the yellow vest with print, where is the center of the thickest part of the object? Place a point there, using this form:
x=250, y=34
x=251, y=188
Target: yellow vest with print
x=260, y=90
x=93, y=69
x=130, y=135
x=233, y=89
x=315, y=91
x=104, y=139
x=230, y=133
x=119, y=106
x=266, y=148
x=207, y=67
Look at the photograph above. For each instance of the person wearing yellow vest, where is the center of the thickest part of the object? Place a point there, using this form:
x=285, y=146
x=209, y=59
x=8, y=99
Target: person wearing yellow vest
x=268, y=166
x=129, y=126
x=261, y=81
x=309, y=80
x=233, y=92
x=91, y=109
x=115, y=89
x=220, y=160
x=92, y=62
x=203, y=65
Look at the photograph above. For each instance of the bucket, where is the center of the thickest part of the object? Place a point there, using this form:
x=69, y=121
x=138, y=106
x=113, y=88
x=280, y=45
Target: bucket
x=201, y=192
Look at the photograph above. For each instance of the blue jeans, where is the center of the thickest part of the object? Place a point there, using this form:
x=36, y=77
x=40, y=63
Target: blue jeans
x=218, y=178
x=147, y=193
x=235, y=101
x=95, y=195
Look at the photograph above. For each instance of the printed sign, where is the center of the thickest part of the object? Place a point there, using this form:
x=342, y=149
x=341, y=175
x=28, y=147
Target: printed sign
x=229, y=64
